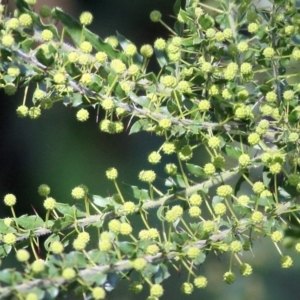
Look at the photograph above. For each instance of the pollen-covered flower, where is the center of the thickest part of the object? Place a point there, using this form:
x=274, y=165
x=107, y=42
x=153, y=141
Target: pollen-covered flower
x=47, y=35
x=160, y=44
x=118, y=66
x=86, y=18
x=82, y=115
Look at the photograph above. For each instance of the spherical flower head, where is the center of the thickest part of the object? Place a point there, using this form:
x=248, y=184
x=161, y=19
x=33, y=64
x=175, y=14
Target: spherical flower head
x=289, y=30
x=229, y=277
x=275, y=168
x=246, y=68
x=168, y=81
x=68, y=273
x=154, y=157
x=219, y=37
x=204, y=105
x=134, y=70
x=9, y=239
x=176, y=41
x=271, y=97
x=112, y=174
x=242, y=47
x=136, y=287
x=38, y=266
x=264, y=124
x=243, y=200
x=165, y=124
x=73, y=57
x=79, y=244
x=45, y=11
x=83, y=59
x=156, y=290
x=268, y=52
x=22, y=255
x=286, y=261
x=209, y=169
x=171, y=169
x=114, y=225
x=258, y=187
x=59, y=78
x=12, y=23
x=265, y=193
x=112, y=40
x=296, y=54
x=78, y=193
x=206, y=67
x=220, y=209
x=213, y=90
x=101, y=57
x=10, y=200
x=168, y=147
x=144, y=234
x=120, y=111
x=139, y=264
x=184, y=87
x=57, y=247
x=118, y=66
x=253, y=138
x=224, y=190
x=208, y=226
x=227, y=33
x=8, y=221
x=293, y=137
x=244, y=160
x=277, y=236
x=293, y=179
x=187, y=288
x=31, y=296
x=288, y=95
x=257, y=217
x=245, y=270
x=25, y=20
x=172, y=49
x=160, y=44
x=252, y=28
x=210, y=33
x=171, y=216
x=49, y=203
x=146, y=51
x=86, y=18
x=7, y=40
x=47, y=35
x=98, y=293
x=236, y=246
x=153, y=233
x=147, y=176
x=107, y=103
x=129, y=208
x=130, y=50
x=214, y=142
x=155, y=16
x=200, y=282
x=125, y=229
x=105, y=245
x=193, y=252
x=194, y=211
x=195, y=200
x=86, y=47
x=84, y=236
x=227, y=94
x=297, y=247
x=82, y=115
x=31, y=2
x=152, y=249
x=22, y=111
x=13, y=71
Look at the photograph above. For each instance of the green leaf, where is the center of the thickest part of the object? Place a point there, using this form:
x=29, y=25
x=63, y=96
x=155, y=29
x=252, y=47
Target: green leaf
x=180, y=181
x=99, y=45
x=30, y=222
x=102, y=202
x=180, y=238
x=22, y=5
x=76, y=99
x=139, y=125
x=71, y=26
x=66, y=209
x=231, y=151
x=161, y=274
x=200, y=259
x=11, y=276
x=136, y=193
x=6, y=229
x=177, y=7
x=160, y=57
x=142, y=100
x=126, y=247
x=137, y=58
x=216, y=199
x=43, y=59
x=195, y=170
x=4, y=251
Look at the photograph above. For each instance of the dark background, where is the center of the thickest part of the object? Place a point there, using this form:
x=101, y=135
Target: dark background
x=58, y=150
